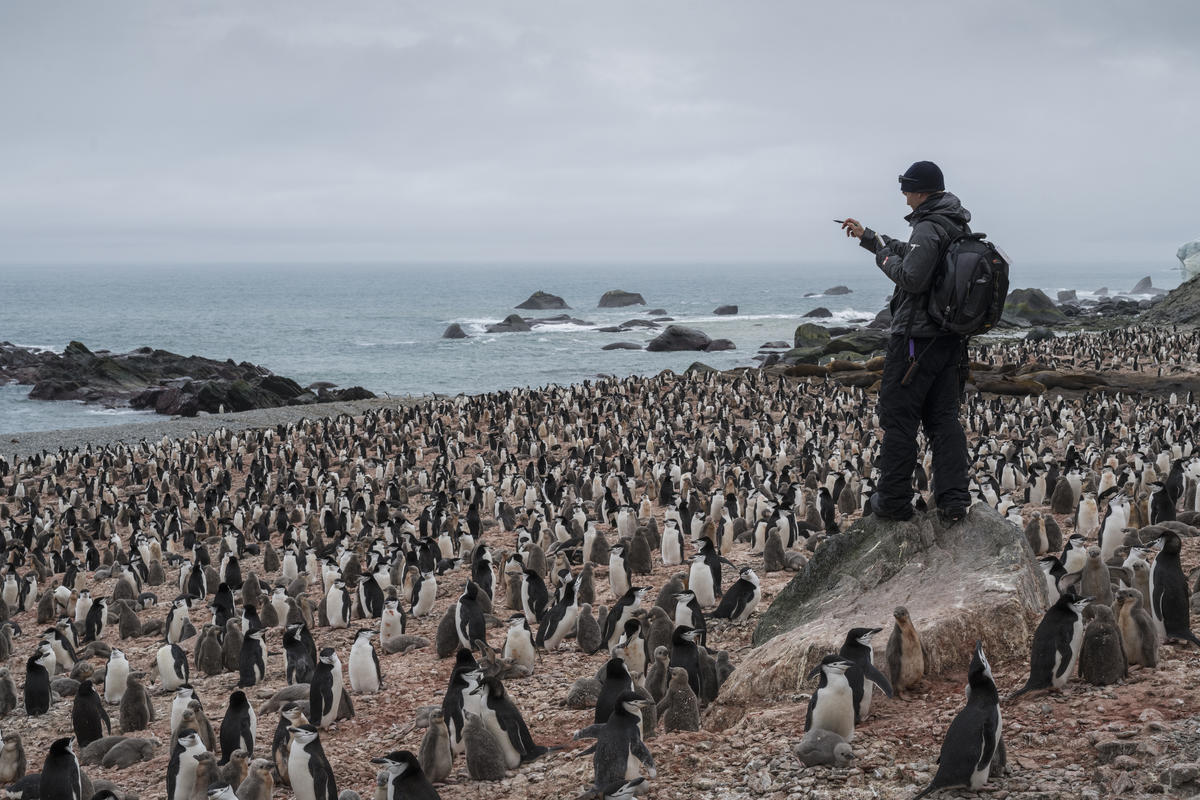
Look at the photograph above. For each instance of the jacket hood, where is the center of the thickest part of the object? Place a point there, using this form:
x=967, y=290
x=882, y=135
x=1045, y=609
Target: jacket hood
x=943, y=204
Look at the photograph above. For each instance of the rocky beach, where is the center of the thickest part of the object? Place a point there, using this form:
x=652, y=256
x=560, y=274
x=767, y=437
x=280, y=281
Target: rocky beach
x=1110, y=407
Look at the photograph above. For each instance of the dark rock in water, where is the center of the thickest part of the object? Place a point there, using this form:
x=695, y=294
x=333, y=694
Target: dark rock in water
x=662, y=319
x=677, y=337
x=1144, y=286
x=639, y=323
x=802, y=355
x=559, y=319
x=820, y=312
x=619, y=299
x=1067, y=295
x=513, y=323
x=1101, y=292
x=883, y=320
x=1033, y=306
x=148, y=379
x=656, y=312
x=613, y=329
x=1039, y=335
x=725, y=310
x=1181, y=306
x=774, y=346
x=455, y=331
x=622, y=346
x=540, y=301
x=864, y=342
x=699, y=366
x=974, y=580
x=719, y=344
x=838, y=290
x=809, y=334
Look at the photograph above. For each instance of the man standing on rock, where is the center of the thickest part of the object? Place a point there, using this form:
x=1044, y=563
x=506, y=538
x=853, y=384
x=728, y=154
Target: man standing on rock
x=925, y=366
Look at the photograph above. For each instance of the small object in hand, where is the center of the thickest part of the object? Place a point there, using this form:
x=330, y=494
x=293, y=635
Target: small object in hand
x=840, y=221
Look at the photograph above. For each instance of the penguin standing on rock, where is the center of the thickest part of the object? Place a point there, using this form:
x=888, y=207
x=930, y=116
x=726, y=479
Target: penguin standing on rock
x=1056, y=644
x=863, y=676
x=87, y=714
x=60, y=773
x=831, y=707
x=973, y=744
x=1169, y=591
x=365, y=675
x=405, y=778
x=239, y=727
x=308, y=769
x=468, y=617
x=619, y=753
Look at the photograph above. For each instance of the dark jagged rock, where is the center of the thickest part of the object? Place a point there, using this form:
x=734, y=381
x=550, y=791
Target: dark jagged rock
x=1033, y=306
x=677, y=337
x=719, y=344
x=882, y=321
x=838, y=290
x=613, y=329
x=513, y=323
x=640, y=323
x=540, y=301
x=1067, y=295
x=455, y=331
x=1145, y=286
x=560, y=319
x=820, y=312
x=618, y=298
x=726, y=310
x=779, y=345
x=656, y=312
x=699, y=366
x=151, y=379
x=622, y=346
x=1181, y=306
x=809, y=334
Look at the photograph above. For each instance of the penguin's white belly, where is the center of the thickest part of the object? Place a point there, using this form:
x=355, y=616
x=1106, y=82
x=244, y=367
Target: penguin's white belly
x=300, y=777
x=425, y=598
x=362, y=672
x=834, y=711
x=511, y=757
x=633, y=767
x=671, y=553
x=700, y=582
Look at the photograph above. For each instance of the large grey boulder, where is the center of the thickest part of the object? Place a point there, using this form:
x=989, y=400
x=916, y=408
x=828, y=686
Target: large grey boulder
x=678, y=337
x=1067, y=295
x=1145, y=286
x=1033, y=306
x=540, y=301
x=975, y=580
x=619, y=299
x=863, y=341
x=820, y=312
x=810, y=334
x=622, y=346
x=726, y=310
x=455, y=331
x=1189, y=256
x=838, y=290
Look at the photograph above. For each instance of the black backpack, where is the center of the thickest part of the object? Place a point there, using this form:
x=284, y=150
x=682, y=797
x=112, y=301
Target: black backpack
x=969, y=288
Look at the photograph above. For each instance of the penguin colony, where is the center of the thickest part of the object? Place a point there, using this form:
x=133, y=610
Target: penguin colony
x=255, y=555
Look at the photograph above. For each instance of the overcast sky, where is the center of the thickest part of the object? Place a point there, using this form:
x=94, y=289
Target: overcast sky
x=589, y=131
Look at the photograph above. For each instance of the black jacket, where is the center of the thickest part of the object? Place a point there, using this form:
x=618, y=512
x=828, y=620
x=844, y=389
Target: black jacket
x=911, y=265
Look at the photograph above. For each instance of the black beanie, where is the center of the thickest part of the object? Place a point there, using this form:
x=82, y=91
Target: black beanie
x=923, y=176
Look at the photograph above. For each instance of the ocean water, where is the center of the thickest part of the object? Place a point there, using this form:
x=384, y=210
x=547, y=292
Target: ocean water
x=380, y=326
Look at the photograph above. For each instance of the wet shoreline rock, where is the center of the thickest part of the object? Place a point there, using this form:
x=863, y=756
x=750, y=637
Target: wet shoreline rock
x=618, y=298
x=540, y=301
x=160, y=380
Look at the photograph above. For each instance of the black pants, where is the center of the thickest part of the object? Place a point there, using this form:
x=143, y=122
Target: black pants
x=931, y=398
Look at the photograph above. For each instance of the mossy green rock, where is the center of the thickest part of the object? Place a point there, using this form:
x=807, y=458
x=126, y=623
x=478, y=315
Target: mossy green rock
x=1033, y=305
x=802, y=355
x=809, y=334
x=863, y=342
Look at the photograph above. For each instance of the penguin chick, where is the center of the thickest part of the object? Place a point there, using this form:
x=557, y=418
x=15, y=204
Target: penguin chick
x=905, y=657
x=1139, y=635
x=435, y=756
x=821, y=747
x=485, y=758
x=259, y=783
x=1102, y=656
x=679, y=709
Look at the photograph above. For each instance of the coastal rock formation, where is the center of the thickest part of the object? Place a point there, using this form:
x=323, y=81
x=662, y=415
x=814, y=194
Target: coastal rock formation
x=1145, y=286
x=160, y=380
x=837, y=290
x=622, y=346
x=678, y=337
x=820, y=312
x=1067, y=295
x=513, y=323
x=1032, y=306
x=1181, y=306
x=975, y=580
x=717, y=345
x=1189, y=256
x=539, y=301
x=618, y=298
x=863, y=342
x=725, y=310
x=454, y=331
